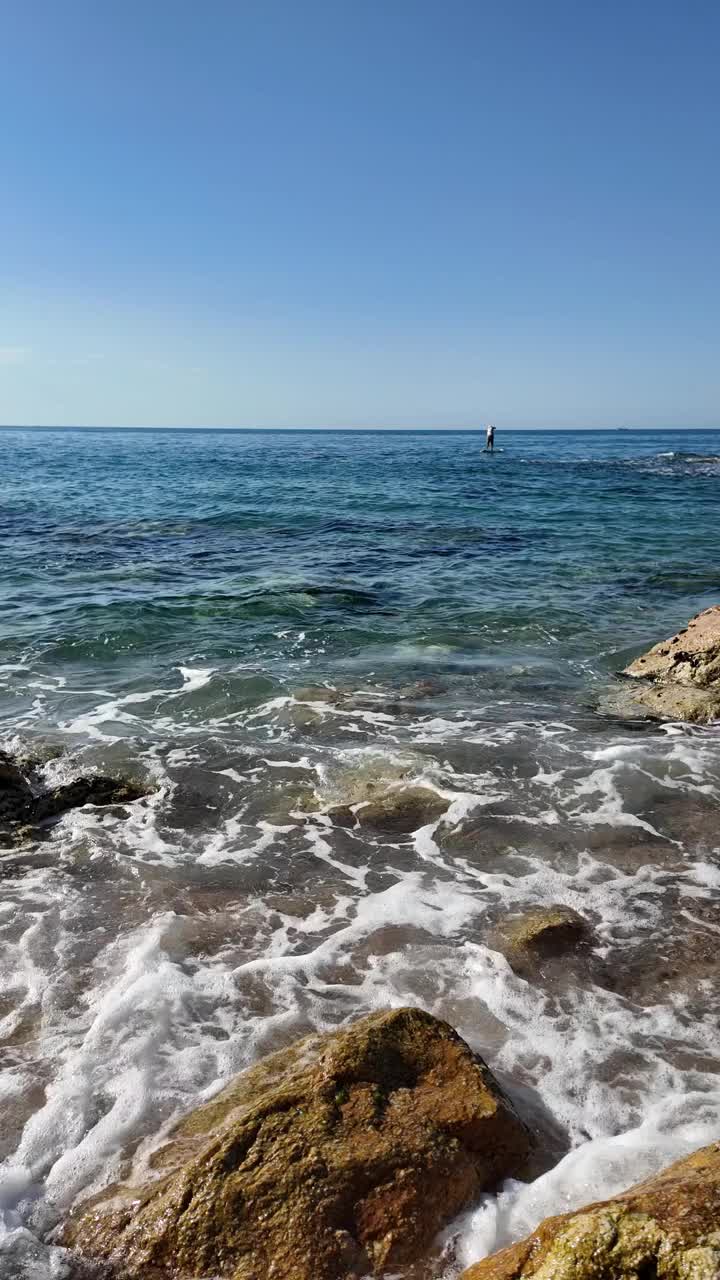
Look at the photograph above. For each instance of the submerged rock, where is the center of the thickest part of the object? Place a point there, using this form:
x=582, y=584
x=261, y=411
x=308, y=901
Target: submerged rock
x=683, y=673
x=667, y=1228
x=95, y=789
x=403, y=810
x=399, y=811
x=542, y=933
x=342, y=1154
x=23, y=802
x=317, y=693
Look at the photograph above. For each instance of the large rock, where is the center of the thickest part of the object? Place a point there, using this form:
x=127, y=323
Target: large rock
x=342, y=1154
x=683, y=673
x=667, y=1228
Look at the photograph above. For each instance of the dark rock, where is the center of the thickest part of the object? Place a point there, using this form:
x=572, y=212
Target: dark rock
x=96, y=789
x=342, y=815
x=16, y=796
x=24, y=802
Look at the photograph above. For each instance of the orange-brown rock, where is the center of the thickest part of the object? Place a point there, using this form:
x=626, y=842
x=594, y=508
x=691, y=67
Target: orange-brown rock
x=541, y=933
x=342, y=1154
x=666, y=1228
x=683, y=672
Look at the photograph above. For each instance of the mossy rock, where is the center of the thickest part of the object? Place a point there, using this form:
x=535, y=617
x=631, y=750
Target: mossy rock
x=542, y=933
x=343, y=1154
x=666, y=1228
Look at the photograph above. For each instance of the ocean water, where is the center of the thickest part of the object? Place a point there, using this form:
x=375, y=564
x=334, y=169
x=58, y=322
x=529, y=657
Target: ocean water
x=260, y=624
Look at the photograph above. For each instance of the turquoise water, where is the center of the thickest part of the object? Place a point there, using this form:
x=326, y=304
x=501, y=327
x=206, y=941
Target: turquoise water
x=126, y=549
x=262, y=624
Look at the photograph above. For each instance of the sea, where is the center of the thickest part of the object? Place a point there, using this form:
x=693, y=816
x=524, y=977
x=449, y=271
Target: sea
x=257, y=625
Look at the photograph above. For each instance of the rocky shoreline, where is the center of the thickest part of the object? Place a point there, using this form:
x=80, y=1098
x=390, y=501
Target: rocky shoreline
x=346, y=1154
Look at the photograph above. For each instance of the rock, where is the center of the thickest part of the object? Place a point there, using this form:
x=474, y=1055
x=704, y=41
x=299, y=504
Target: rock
x=422, y=689
x=398, y=811
x=316, y=693
x=342, y=815
x=684, y=670
x=541, y=934
x=403, y=810
x=96, y=789
x=341, y=1154
x=667, y=701
x=667, y=1227
x=16, y=795
x=23, y=802
x=544, y=932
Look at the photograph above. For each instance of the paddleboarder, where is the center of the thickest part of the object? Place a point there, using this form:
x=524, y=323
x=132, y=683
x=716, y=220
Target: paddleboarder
x=490, y=438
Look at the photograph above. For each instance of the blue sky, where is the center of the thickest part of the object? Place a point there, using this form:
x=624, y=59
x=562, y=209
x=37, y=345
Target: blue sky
x=360, y=213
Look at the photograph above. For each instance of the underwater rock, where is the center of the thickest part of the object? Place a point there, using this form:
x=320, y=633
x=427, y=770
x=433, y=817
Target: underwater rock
x=23, y=803
x=541, y=933
x=683, y=673
x=341, y=1154
x=402, y=810
x=316, y=693
x=667, y=1227
x=342, y=815
x=398, y=812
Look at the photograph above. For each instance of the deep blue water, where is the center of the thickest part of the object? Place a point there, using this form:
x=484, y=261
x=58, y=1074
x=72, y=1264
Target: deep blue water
x=125, y=548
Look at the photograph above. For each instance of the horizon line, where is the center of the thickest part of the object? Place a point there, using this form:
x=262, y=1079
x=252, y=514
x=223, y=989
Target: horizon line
x=48, y=426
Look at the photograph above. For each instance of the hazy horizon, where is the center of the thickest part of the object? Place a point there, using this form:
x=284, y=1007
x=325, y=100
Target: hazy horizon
x=478, y=430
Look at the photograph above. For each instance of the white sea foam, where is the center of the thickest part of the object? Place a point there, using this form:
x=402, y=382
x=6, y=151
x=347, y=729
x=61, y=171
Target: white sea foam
x=127, y=1009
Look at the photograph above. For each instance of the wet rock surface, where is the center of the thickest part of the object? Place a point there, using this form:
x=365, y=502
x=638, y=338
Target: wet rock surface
x=25, y=800
x=666, y=1228
x=400, y=811
x=681, y=675
x=543, y=933
x=344, y=1154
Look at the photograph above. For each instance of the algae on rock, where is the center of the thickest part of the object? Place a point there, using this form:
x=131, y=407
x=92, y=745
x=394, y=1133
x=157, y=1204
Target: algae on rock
x=341, y=1154
x=666, y=1228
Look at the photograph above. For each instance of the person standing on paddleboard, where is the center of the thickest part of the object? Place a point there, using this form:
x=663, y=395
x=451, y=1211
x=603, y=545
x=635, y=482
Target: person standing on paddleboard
x=490, y=438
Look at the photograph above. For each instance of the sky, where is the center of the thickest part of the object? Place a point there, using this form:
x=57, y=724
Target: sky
x=408, y=213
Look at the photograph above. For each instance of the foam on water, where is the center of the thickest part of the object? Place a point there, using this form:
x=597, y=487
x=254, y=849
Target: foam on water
x=129, y=1026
